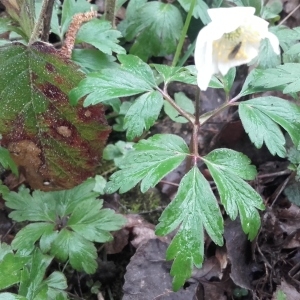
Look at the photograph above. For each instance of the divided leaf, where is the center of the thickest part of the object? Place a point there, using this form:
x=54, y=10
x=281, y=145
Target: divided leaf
x=58, y=145
x=229, y=169
x=200, y=10
x=134, y=77
x=32, y=283
x=149, y=162
x=100, y=34
x=157, y=27
x=261, y=117
x=142, y=114
x=69, y=9
x=69, y=222
x=193, y=209
x=180, y=74
x=11, y=266
x=286, y=77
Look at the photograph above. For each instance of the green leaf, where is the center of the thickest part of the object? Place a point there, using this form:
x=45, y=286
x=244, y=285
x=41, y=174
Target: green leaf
x=292, y=191
x=33, y=274
x=11, y=266
x=100, y=184
x=93, y=60
x=228, y=80
x=10, y=296
x=249, y=86
x=134, y=77
x=142, y=114
x=76, y=213
x=149, y=162
x=57, y=145
x=69, y=9
x=23, y=12
x=271, y=10
x=180, y=74
x=260, y=117
x=41, y=206
x=56, y=282
x=93, y=225
x=4, y=249
x=127, y=25
x=5, y=25
x=287, y=37
x=193, y=208
x=228, y=169
x=157, y=27
x=82, y=253
x=184, y=102
x=285, y=77
x=32, y=283
x=7, y=162
x=26, y=238
x=117, y=152
x=106, y=38
x=31, y=207
x=200, y=10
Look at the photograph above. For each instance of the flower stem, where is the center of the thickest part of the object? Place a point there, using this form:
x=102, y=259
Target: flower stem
x=183, y=33
x=206, y=116
x=168, y=98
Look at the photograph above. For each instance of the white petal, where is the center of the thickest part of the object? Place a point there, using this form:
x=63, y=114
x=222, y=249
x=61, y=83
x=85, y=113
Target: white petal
x=217, y=14
x=274, y=42
x=229, y=19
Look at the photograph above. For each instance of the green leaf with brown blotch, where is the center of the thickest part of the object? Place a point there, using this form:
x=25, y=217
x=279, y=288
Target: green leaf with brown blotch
x=57, y=145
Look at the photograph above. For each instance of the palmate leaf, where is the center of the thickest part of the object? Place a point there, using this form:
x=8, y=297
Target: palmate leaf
x=157, y=26
x=77, y=212
x=149, y=162
x=261, y=117
x=69, y=9
x=229, y=169
x=200, y=10
x=106, y=38
x=194, y=208
x=58, y=145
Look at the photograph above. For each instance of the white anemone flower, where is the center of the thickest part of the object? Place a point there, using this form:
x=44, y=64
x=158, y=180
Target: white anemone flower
x=232, y=38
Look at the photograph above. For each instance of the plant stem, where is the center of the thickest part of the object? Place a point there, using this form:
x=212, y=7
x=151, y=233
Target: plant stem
x=47, y=21
x=192, y=160
x=206, y=116
x=109, y=12
x=183, y=33
x=165, y=94
x=38, y=24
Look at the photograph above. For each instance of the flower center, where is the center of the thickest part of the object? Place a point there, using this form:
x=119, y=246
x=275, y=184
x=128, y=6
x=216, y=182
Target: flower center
x=234, y=35
x=229, y=46
x=234, y=45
